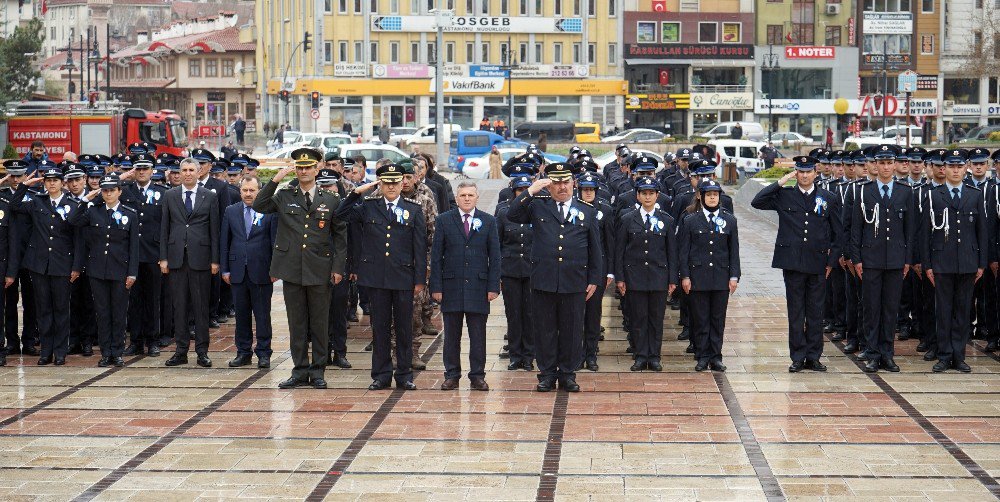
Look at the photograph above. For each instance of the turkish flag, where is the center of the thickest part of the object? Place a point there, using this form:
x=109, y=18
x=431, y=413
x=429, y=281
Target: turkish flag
x=788, y=36
x=664, y=76
x=659, y=5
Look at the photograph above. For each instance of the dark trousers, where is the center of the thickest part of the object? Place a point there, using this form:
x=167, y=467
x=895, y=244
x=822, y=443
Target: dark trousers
x=592, y=323
x=928, y=316
x=517, y=308
x=828, y=305
x=52, y=294
x=166, y=311
x=308, y=310
x=912, y=309
x=646, y=312
x=83, y=322
x=253, y=301
x=453, y=344
x=239, y=137
x=391, y=307
x=111, y=306
x=953, y=307
x=852, y=307
x=338, y=317
x=804, y=299
x=880, y=292
x=3, y=340
x=225, y=299
x=214, y=296
x=559, y=337
x=352, y=297
x=193, y=285
x=708, y=323
x=144, y=306
x=29, y=323
x=838, y=300
x=986, y=303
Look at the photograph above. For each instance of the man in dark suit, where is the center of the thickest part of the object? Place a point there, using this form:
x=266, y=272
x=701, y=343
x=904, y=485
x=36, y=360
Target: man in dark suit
x=189, y=255
x=567, y=264
x=883, y=226
x=310, y=250
x=206, y=161
x=465, y=278
x=954, y=253
x=806, y=250
x=395, y=225
x=246, y=242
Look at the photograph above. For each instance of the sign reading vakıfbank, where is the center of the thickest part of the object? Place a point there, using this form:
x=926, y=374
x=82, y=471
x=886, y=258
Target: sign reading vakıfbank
x=479, y=24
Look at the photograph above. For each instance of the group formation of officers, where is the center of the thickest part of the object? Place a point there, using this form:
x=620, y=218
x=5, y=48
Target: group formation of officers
x=888, y=240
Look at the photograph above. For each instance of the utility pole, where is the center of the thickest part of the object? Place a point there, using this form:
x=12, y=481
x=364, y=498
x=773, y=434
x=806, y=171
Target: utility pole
x=442, y=18
x=769, y=65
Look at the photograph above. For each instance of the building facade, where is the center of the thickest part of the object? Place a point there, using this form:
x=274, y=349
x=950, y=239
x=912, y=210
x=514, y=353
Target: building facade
x=968, y=86
x=373, y=62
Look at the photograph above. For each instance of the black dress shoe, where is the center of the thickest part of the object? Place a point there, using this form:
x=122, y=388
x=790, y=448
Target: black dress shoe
x=504, y=354
x=838, y=336
x=368, y=348
x=352, y=316
x=592, y=365
x=655, y=365
x=42, y=361
x=992, y=346
x=165, y=341
x=3, y=360
x=685, y=334
x=223, y=319
x=204, y=361
x=13, y=351
x=795, y=367
x=293, y=383
x=213, y=324
x=930, y=355
x=941, y=366
x=74, y=350
x=815, y=366
x=104, y=362
x=717, y=366
x=177, y=360
x=263, y=362
x=864, y=355
x=406, y=386
x=904, y=334
x=630, y=350
x=871, y=366
x=690, y=348
x=153, y=351
x=319, y=383
x=569, y=386
x=514, y=365
x=118, y=362
x=529, y=366
x=545, y=386
x=922, y=347
x=31, y=351
x=377, y=385
x=88, y=351
x=60, y=361
x=851, y=347
x=701, y=366
x=637, y=366
x=340, y=361
x=132, y=350
x=963, y=367
x=828, y=327
x=240, y=360
x=890, y=365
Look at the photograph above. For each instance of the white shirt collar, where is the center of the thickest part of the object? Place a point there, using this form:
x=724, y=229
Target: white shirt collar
x=116, y=206
x=472, y=214
x=644, y=213
x=708, y=212
x=806, y=192
x=393, y=202
x=56, y=201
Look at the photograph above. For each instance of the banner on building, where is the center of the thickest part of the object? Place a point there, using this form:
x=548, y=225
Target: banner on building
x=657, y=101
x=887, y=23
x=690, y=51
x=478, y=24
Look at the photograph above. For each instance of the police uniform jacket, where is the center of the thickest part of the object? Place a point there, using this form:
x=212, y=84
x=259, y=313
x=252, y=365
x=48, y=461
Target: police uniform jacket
x=311, y=244
x=954, y=239
x=646, y=255
x=681, y=203
x=608, y=228
x=52, y=244
x=22, y=222
x=110, y=245
x=566, y=257
x=992, y=210
x=515, y=245
x=465, y=269
x=392, y=247
x=148, y=203
x=709, y=253
x=808, y=227
x=887, y=242
x=627, y=200
x=9, y=254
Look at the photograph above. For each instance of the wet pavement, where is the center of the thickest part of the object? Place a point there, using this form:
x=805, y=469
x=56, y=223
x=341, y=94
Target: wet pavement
x=754, y=432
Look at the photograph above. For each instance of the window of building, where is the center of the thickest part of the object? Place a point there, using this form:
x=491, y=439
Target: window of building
x=800, y=83
x=557, y=53
x=979, y=4
x=708, y=33
x=470, y=52
x=394, y=6
x=485, y=52
x=414, y=52
x=732, y=33
x=889, y=44
x=194, y=67
x=927, y=44
x=342, y=6
x=992, y=90
x=577, y=53
x=229, y=66
x=670, y=32
x=373, y=52
x=414, y=6
x=359, y=52
x=522, y=53
x=833, y=35
x=327, y=54
x=803, y=33
x=211, y=67
x=557, y=7
x=558, y=108
x=505, y=53
x=504, y=7
x=877, y=84
x=432, y=55
x=962, y=90
x=775, y=34
x=393, y=52
x=538, y=53
x=591, y=8
x=485, y=4
x=358, y=6
x=449, y=52
x=469, y=8
x=523, y=5
x=927, y=6
x=612, y=54
x=374, y=6
x=612, y=8
x=591, y=53
x=576, y=7
x=996, y=46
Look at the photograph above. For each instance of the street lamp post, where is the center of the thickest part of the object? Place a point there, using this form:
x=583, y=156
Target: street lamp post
x=509, y=65
x=885, y=83
x=442, y=19
x=770, y=64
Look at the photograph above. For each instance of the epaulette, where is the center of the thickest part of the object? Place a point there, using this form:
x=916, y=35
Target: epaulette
x=972, y=187
x=541, y=196
x=123, y=206
x=584, y=202
x=287, y=187
x=411, y=201
x=373, y=197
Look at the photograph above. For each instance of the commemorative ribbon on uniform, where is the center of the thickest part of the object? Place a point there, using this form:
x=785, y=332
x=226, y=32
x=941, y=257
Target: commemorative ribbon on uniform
x=820, y=205
x=476, y=224
x=719, y=224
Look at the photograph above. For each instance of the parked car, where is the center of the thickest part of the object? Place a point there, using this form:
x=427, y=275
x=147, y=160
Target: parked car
x=636, y=136
x=479, y=167
x=793, y=139
x=587, y=132
x=744, y=153
x=723, y=130
x=606, y=158
x=425, y=135
x=555, y=131
x=398, y=134
x=324, y=142
x=466, y=144
x=371, y=152
x=980, y=134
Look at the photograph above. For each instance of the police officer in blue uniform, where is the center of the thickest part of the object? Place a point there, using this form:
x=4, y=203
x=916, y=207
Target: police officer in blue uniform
x=515, y=281
x=567, y=265
x=883, y=227
x=937, y=171
x=954, y=252
x=854, y=323
x=645, y=269
x=110, y=237
x=52, y=258
x=985, y=295
x=587, y=185
x=709, y=268
x=993, y=340
x=82, y=318
x=22, y=227
x=8, y=266
x=393, y=266
x=806, y=250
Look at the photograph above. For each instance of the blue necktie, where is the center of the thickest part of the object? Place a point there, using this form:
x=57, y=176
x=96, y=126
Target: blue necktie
x=248, y=219
x=188, y=204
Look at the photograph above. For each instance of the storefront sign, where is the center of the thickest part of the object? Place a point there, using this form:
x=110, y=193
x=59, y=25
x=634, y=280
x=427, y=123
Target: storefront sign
x=993, y=110
x=895, y=106
x=551, y=71
x=918, y=107
x=851, y=31
x=872, y=59
x=927, y=83
x=810, y=52
x=803, y=106
x=960, y=109
x=421, y=87
x=657, y=101
x=216, y=96
x=487, y=71
x=401, y=71
x=887, y=23
x=721, y=100
x=478, y=24
x=350, y=70
x=690, y=51
x=469, y=85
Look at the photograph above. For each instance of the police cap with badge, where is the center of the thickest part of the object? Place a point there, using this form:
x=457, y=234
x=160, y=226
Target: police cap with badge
x=644, y=164
x=142, y=161
x=885, y=152
x=958, y=156
x=979, y=155
x=203, y=156
x=15, y=167
x=646, y=183
x=805, y=162
x=110, y=181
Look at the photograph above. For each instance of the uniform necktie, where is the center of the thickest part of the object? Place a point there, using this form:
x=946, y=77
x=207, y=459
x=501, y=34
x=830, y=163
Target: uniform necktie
x=389, y=206
x=188, y=203
x=248, y=219
x=55, y=203
x=465, y=217
x=885, y=193
x=562, y=210
x=649, y=221
x=111, y=215
x=954, y=193
x=309, y=202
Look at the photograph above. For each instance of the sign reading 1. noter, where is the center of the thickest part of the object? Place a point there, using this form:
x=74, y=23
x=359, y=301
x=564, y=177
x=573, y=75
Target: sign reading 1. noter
x=478, y=24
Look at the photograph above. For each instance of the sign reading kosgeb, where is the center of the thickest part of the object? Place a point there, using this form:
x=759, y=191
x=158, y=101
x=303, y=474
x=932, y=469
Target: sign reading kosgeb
x=478, y=24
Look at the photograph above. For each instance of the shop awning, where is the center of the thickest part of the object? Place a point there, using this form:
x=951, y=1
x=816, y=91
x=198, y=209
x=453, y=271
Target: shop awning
x=701, y=63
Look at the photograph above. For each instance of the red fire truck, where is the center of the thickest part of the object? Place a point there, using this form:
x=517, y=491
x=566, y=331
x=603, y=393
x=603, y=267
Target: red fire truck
x=104, y=128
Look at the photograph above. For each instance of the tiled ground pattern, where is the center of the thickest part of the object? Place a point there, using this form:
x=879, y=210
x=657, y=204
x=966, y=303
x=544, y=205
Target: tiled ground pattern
x=755, y=432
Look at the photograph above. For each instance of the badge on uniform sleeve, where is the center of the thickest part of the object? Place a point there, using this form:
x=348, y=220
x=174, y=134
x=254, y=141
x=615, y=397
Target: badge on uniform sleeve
x=406, y=214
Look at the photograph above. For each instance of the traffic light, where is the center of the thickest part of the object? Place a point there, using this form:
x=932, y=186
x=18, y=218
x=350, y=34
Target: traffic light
x=315, y=99
x=285, y=95
x=306, y=42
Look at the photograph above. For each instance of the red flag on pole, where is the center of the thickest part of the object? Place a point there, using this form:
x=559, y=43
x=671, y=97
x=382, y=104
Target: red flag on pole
x=788, y=36
x=659, y=5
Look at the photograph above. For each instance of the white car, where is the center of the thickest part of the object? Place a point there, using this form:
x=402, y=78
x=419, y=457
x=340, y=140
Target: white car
x=478, y=168
x=281, y=153
x=637, y=136
x=607, y=158
x=400, y=134
x=371, y=152
x=744, y=153
x=793, y=138
x=425, y=135
x=324, y=142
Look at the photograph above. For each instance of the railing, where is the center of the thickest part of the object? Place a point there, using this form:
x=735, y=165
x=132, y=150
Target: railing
x=720, y=88
x=675, y=88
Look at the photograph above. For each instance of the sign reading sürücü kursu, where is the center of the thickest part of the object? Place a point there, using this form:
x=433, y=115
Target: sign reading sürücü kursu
x=690, y=51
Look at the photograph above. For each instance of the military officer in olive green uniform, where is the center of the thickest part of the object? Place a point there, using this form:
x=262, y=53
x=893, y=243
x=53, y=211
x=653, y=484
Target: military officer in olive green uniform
x=310, y=251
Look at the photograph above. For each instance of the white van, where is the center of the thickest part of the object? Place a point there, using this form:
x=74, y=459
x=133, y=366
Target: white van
x=425, y=135
x=744, y=153
x=723, y=130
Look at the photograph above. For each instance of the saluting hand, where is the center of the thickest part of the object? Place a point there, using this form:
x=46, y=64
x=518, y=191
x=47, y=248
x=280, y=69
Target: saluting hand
x=282, y=173
x=538, y=185
x=35, y=179
x=367, y=187
x=784, y=179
